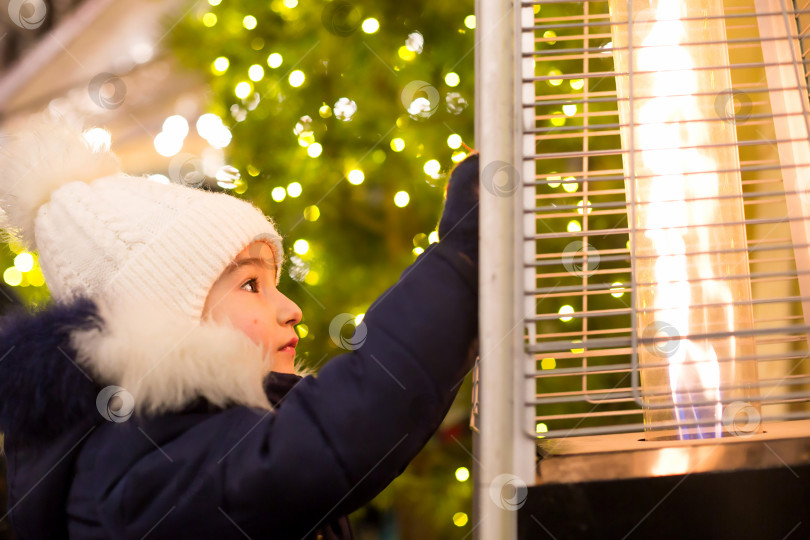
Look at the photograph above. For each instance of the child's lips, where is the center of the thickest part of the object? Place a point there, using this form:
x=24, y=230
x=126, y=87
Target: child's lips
x=288, y=349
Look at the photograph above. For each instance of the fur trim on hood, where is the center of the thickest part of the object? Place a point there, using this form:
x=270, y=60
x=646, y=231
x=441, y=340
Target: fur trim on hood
x=166, y=363
x=58, y=359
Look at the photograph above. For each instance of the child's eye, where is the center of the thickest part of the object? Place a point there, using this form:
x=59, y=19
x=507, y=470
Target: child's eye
x=255, y=283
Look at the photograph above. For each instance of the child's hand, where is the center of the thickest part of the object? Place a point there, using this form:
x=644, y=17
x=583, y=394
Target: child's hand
x=458, y=225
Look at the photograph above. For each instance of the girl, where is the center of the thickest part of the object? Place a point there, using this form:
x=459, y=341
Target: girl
x=157, y=397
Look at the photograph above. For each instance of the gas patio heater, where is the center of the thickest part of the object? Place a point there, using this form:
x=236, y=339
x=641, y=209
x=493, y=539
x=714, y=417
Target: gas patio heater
x=644, y=337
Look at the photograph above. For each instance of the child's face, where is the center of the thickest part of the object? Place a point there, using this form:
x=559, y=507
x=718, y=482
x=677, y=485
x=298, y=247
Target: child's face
x=245, y=293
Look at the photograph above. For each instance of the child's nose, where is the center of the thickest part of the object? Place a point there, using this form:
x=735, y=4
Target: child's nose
x=290, y=313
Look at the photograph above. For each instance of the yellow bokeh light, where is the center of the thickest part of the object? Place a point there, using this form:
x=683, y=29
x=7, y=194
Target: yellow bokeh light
x=301, y=246
x=24, y=262
x=565, y=311
x=577, y=84
x=274, y=60
x=570, y=184
x=433, y=237
x=462, y=474
x=469, y=22
x=35, y=277
x=617, y=289
x=12, y=276
x=550, y=34
x=432, y=167
x=312, y=213
x=581, y=205
x=214, y=2
x=397, y=145
x=249, y=22
x=209, y=20
x=460, y=519
x=541, y=428
x=558, y=121
x=221, y=65
x=302, y=330
x=278, y=194
x=314, y=150
x=554, y=73
x=370, y=25
x=548, y=363
x=454, y=141
x=554, y=181
x=570, y=109
x=294, y=189
x=574, y=226
x=418, y=251
x=256, y=72
x=355, y=177
x=575, y=350
x=401, y=198
x=458, y=157
x=325, y=111
x=452, y=79
x=243, y=89
x=297, y=78
x=290, y=3
x=312, y=278
x=405, y=53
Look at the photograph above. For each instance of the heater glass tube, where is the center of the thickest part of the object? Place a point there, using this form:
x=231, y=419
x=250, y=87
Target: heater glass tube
x=684, y=195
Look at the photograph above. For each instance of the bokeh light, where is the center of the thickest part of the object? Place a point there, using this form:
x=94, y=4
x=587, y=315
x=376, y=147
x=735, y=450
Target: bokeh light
x=297, y=78
x=370, y=25
x=565, y=311
x=452, y=79
x=401, y=198
x=294, y=189
x=301, y=246
x=355, y=177
x=274, y=60
x=314, y=150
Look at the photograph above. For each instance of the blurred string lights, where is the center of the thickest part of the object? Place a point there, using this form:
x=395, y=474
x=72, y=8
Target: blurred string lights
x=25, y=270
x=344, y=109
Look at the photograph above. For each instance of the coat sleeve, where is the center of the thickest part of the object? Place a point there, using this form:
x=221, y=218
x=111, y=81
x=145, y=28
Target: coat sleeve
x=338, y=439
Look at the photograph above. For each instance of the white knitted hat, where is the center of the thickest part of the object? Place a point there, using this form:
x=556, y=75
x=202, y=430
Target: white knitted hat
x=103, y=233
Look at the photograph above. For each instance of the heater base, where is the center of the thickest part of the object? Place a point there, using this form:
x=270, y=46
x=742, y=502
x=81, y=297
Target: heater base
x=622, y=486
x=760, y=504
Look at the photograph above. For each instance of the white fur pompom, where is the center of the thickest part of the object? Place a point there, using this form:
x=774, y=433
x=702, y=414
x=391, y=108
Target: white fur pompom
x=36, y=161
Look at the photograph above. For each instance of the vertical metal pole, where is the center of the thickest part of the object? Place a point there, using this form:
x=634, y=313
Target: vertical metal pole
x=502, y=445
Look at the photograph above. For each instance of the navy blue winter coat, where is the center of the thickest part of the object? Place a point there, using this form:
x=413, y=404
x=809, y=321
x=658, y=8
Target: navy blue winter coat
x=223, y=470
